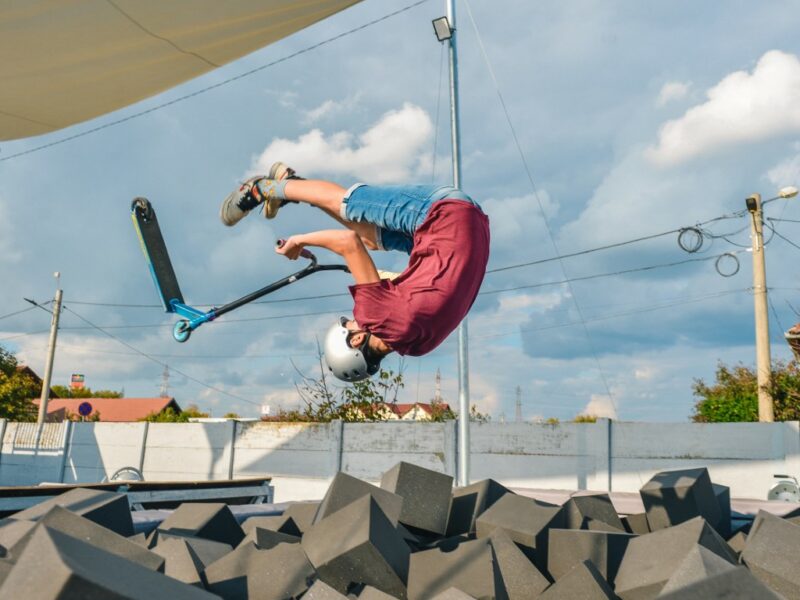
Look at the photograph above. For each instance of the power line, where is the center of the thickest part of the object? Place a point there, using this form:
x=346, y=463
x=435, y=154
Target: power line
x=19, y=312
x=163, y=364
x=216, y=85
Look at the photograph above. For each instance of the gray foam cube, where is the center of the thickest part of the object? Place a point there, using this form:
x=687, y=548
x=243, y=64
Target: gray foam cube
x=281, y=524
x=108, y=509
x=771, y=554
x=181, y=561
x=700, y=563
x=636, y=523
x=12, y=531
x=344, y=489
x=275, y=574
x=208, y=551
x=468, y=567
x=652, y=559
x=359, y=544
x=209, y=520
x=723, y=496
x=521, y=578
x=594, y=512
x=738, y=541
x=65, y=521
x=568, y=547
x=425, y=493
x=371, y=593
x=582, y=581
x=322, y=591
x=75, y=569
x=452, y=594
x=469, y=502
x=526, y=521
x=673, y=497
x=738, y=584
x=302, y=513
x=266, y=538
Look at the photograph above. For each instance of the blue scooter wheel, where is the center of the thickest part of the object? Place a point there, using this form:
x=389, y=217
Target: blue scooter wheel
x=181, y=331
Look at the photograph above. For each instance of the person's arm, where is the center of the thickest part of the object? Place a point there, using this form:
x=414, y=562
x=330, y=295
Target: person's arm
x=344, y=242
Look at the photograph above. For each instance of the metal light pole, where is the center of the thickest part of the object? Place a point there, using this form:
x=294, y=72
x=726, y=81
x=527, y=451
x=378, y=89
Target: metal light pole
x=445, y=29
x=48, y=369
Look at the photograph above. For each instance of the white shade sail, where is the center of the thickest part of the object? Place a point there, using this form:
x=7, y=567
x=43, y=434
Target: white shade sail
x=67, y=61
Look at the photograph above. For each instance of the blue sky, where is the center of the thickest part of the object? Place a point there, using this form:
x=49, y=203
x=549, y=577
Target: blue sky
x=632, y=119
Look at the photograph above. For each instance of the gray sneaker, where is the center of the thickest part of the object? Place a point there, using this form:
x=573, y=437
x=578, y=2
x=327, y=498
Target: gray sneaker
x=253, y=192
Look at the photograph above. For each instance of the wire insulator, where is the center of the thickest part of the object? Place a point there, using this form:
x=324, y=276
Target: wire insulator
x=691, y=239
x=727, y=264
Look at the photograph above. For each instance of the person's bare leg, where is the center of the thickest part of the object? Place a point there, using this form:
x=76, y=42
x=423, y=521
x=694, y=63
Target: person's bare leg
x=328, y=196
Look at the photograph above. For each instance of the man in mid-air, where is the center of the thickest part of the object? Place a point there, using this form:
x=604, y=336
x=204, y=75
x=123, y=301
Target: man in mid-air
x=443, y=230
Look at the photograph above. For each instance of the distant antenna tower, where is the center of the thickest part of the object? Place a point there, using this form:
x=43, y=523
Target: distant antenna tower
x=165, y=382
x=518, y=414
x=437, y=395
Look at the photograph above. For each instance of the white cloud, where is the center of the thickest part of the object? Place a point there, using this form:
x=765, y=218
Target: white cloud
x=330, y=108
x=785, y=173
x=600, y=406
x=743, y=107
x=671, y=91
x=388, y=151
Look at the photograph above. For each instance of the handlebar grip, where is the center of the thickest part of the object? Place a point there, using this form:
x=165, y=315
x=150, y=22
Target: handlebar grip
x=305, y=253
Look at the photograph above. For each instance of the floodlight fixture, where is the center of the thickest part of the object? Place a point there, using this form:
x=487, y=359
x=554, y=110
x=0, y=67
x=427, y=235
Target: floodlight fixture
x=788, y=192
x=442, y=29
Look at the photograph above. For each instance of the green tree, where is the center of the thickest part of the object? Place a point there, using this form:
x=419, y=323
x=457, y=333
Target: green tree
x=733, y=397
x=17, y=389
x=63, y=391
x=170, y=415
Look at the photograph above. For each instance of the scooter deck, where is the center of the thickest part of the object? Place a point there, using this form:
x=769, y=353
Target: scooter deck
x=155, y=251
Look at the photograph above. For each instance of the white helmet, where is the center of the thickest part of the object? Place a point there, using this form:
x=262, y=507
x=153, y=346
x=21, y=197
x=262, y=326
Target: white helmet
x=345, y=362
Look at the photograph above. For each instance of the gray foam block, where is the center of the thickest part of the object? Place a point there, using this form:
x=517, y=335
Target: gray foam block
x=700, y=563
x=771, y=553
x=344, y=489
x=65, y=521
x=275, y=574
x=266, y=538
x=651, y=559
x=738, y=541
x=359, y=544
x=322, y=591
x=521, y=578
x=74, y=569
x=581, y=581
x=281, y=524
x=426, y=496
x=209, y=520
x=371, y=593
x=452, y=594
x=469, y=502
x=108, y=509
x=181, y=561
x=469, y=567
x=636, y=523
x=723, y=495
x=302, y=513
x=526, y=521
x=673, y=497
x=140, y=539
x=11, y=531
x=568, y=547
x=208, y=551
x=738, y=584
x=594, y=512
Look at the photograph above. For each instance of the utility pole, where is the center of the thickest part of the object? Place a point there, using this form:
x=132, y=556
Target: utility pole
x=48, y=369
x=763, y=359
x=518, y=414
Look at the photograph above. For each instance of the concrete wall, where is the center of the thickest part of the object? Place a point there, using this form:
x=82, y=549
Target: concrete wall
x=302, y=457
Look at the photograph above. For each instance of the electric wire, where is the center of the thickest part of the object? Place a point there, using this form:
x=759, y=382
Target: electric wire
x=19, y=312
x=783, y=237
x=216, y=85
x=163, y=364
x=539, y=202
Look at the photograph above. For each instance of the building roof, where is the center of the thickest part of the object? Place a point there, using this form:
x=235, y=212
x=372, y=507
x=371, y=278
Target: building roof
x=118, y=410
x=401, y=409
x=26, y=370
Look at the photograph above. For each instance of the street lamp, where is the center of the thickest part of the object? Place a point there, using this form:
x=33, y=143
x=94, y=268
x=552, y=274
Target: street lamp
x=763, y=359
x=441, y=27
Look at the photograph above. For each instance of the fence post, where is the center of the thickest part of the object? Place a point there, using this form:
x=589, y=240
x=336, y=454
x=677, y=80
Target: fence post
x=603, y=460
x=2, y=437
x=66, y=444
x=143, y=447
x=450, y=447
x=234, y=424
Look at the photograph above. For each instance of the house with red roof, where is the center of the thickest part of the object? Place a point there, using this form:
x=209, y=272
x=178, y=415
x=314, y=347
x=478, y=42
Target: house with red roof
x=114, y=410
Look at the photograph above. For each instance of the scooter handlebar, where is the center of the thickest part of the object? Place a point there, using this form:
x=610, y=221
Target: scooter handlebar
x=305, y=253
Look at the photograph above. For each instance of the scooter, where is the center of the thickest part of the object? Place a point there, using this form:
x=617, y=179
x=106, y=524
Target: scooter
x=155, y=251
